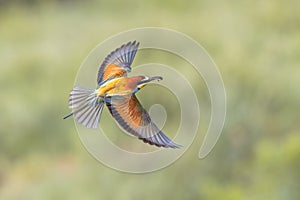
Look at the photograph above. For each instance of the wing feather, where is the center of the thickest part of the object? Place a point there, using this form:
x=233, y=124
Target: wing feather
x=118, y=62
x=131, y=116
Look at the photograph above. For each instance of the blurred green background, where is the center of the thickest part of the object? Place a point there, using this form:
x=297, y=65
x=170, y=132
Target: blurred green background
x=256, y=45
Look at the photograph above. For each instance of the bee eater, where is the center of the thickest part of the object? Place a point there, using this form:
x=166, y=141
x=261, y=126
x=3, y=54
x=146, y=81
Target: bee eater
x=117, y=91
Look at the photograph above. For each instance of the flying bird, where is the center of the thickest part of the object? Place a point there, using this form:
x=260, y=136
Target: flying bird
x=117, y=91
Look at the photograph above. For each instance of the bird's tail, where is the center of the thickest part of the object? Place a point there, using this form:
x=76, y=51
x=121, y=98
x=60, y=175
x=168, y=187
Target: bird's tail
x=86, y=106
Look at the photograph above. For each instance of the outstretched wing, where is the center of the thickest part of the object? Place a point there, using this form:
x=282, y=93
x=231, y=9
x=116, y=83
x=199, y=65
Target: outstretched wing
x=131, y=116
x=118, y=62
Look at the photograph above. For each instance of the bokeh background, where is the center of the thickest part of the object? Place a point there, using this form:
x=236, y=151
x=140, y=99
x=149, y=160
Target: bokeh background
x=256, y=45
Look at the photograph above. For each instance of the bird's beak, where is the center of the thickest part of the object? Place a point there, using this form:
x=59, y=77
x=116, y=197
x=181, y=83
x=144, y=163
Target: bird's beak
x=149, y=79
x=146, y=80
x=155, y=78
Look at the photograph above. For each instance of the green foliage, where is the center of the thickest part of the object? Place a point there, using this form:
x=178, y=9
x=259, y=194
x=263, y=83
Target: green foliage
x=256, y=46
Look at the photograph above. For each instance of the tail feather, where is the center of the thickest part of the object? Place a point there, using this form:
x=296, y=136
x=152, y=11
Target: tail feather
x=68, y=115
x=86, y=106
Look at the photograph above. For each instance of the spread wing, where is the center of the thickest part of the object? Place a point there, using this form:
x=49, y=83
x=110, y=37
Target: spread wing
x=118, y=62
x=131, y=116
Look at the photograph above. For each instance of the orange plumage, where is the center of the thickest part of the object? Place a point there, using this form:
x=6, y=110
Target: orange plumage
x=113, y=70
x=117, y=91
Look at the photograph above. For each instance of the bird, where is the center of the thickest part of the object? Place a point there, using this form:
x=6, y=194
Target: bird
x=117, y=91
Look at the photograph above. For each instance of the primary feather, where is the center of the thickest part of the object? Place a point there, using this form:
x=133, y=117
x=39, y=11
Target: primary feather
x=118, y=62
x=131, y=116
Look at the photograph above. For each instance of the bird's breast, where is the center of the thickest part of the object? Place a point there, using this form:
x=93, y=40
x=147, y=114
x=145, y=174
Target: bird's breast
x=119, y=86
